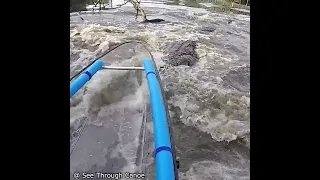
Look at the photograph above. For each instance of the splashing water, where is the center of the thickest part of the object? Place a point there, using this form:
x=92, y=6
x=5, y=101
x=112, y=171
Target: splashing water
x=209, y=102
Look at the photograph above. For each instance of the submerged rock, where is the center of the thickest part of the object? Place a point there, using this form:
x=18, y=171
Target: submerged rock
x=238, y=79
x=182, y=53
x=207, y=29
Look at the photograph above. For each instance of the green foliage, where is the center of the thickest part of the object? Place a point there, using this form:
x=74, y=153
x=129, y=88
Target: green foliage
x=77, y=5
x=80, y=5
x=99, y=1
x=192, y=3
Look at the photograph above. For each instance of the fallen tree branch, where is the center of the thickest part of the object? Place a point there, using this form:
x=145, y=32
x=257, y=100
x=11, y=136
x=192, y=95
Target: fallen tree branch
x=80, y=16
x=119, y=5
x=136, y=6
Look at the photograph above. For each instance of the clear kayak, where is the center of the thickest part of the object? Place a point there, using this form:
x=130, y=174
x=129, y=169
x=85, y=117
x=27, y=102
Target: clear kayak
x=125, y=130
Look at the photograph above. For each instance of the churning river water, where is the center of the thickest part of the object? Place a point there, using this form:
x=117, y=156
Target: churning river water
x=209, y=102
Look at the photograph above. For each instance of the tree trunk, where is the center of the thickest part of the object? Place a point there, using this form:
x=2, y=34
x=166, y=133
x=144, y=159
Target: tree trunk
x=136, y=5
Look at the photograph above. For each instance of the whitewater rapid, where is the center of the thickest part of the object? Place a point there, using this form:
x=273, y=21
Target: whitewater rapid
x=210, y=100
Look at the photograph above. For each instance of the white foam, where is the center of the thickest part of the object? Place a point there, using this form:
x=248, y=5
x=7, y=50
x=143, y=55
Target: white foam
x=208, y=170
x=225, y=124
x=98, y=95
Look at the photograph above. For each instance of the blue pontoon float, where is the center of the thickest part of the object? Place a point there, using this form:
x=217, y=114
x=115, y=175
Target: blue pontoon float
x=164, y=153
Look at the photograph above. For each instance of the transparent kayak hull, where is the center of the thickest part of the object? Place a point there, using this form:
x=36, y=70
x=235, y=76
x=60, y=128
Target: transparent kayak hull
x=114, y=138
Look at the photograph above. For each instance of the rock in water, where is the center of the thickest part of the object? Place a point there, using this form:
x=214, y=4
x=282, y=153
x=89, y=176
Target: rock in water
x=207, y=29
x=182, y=53
x=238, y=79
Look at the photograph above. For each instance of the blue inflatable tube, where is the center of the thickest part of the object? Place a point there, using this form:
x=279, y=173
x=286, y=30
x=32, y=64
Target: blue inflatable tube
x=163, y=152
x=85, y=77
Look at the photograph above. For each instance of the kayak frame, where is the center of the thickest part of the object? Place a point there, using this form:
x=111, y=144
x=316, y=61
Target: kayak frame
x=165, y=159
x=162, y=141
x=84, y=77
